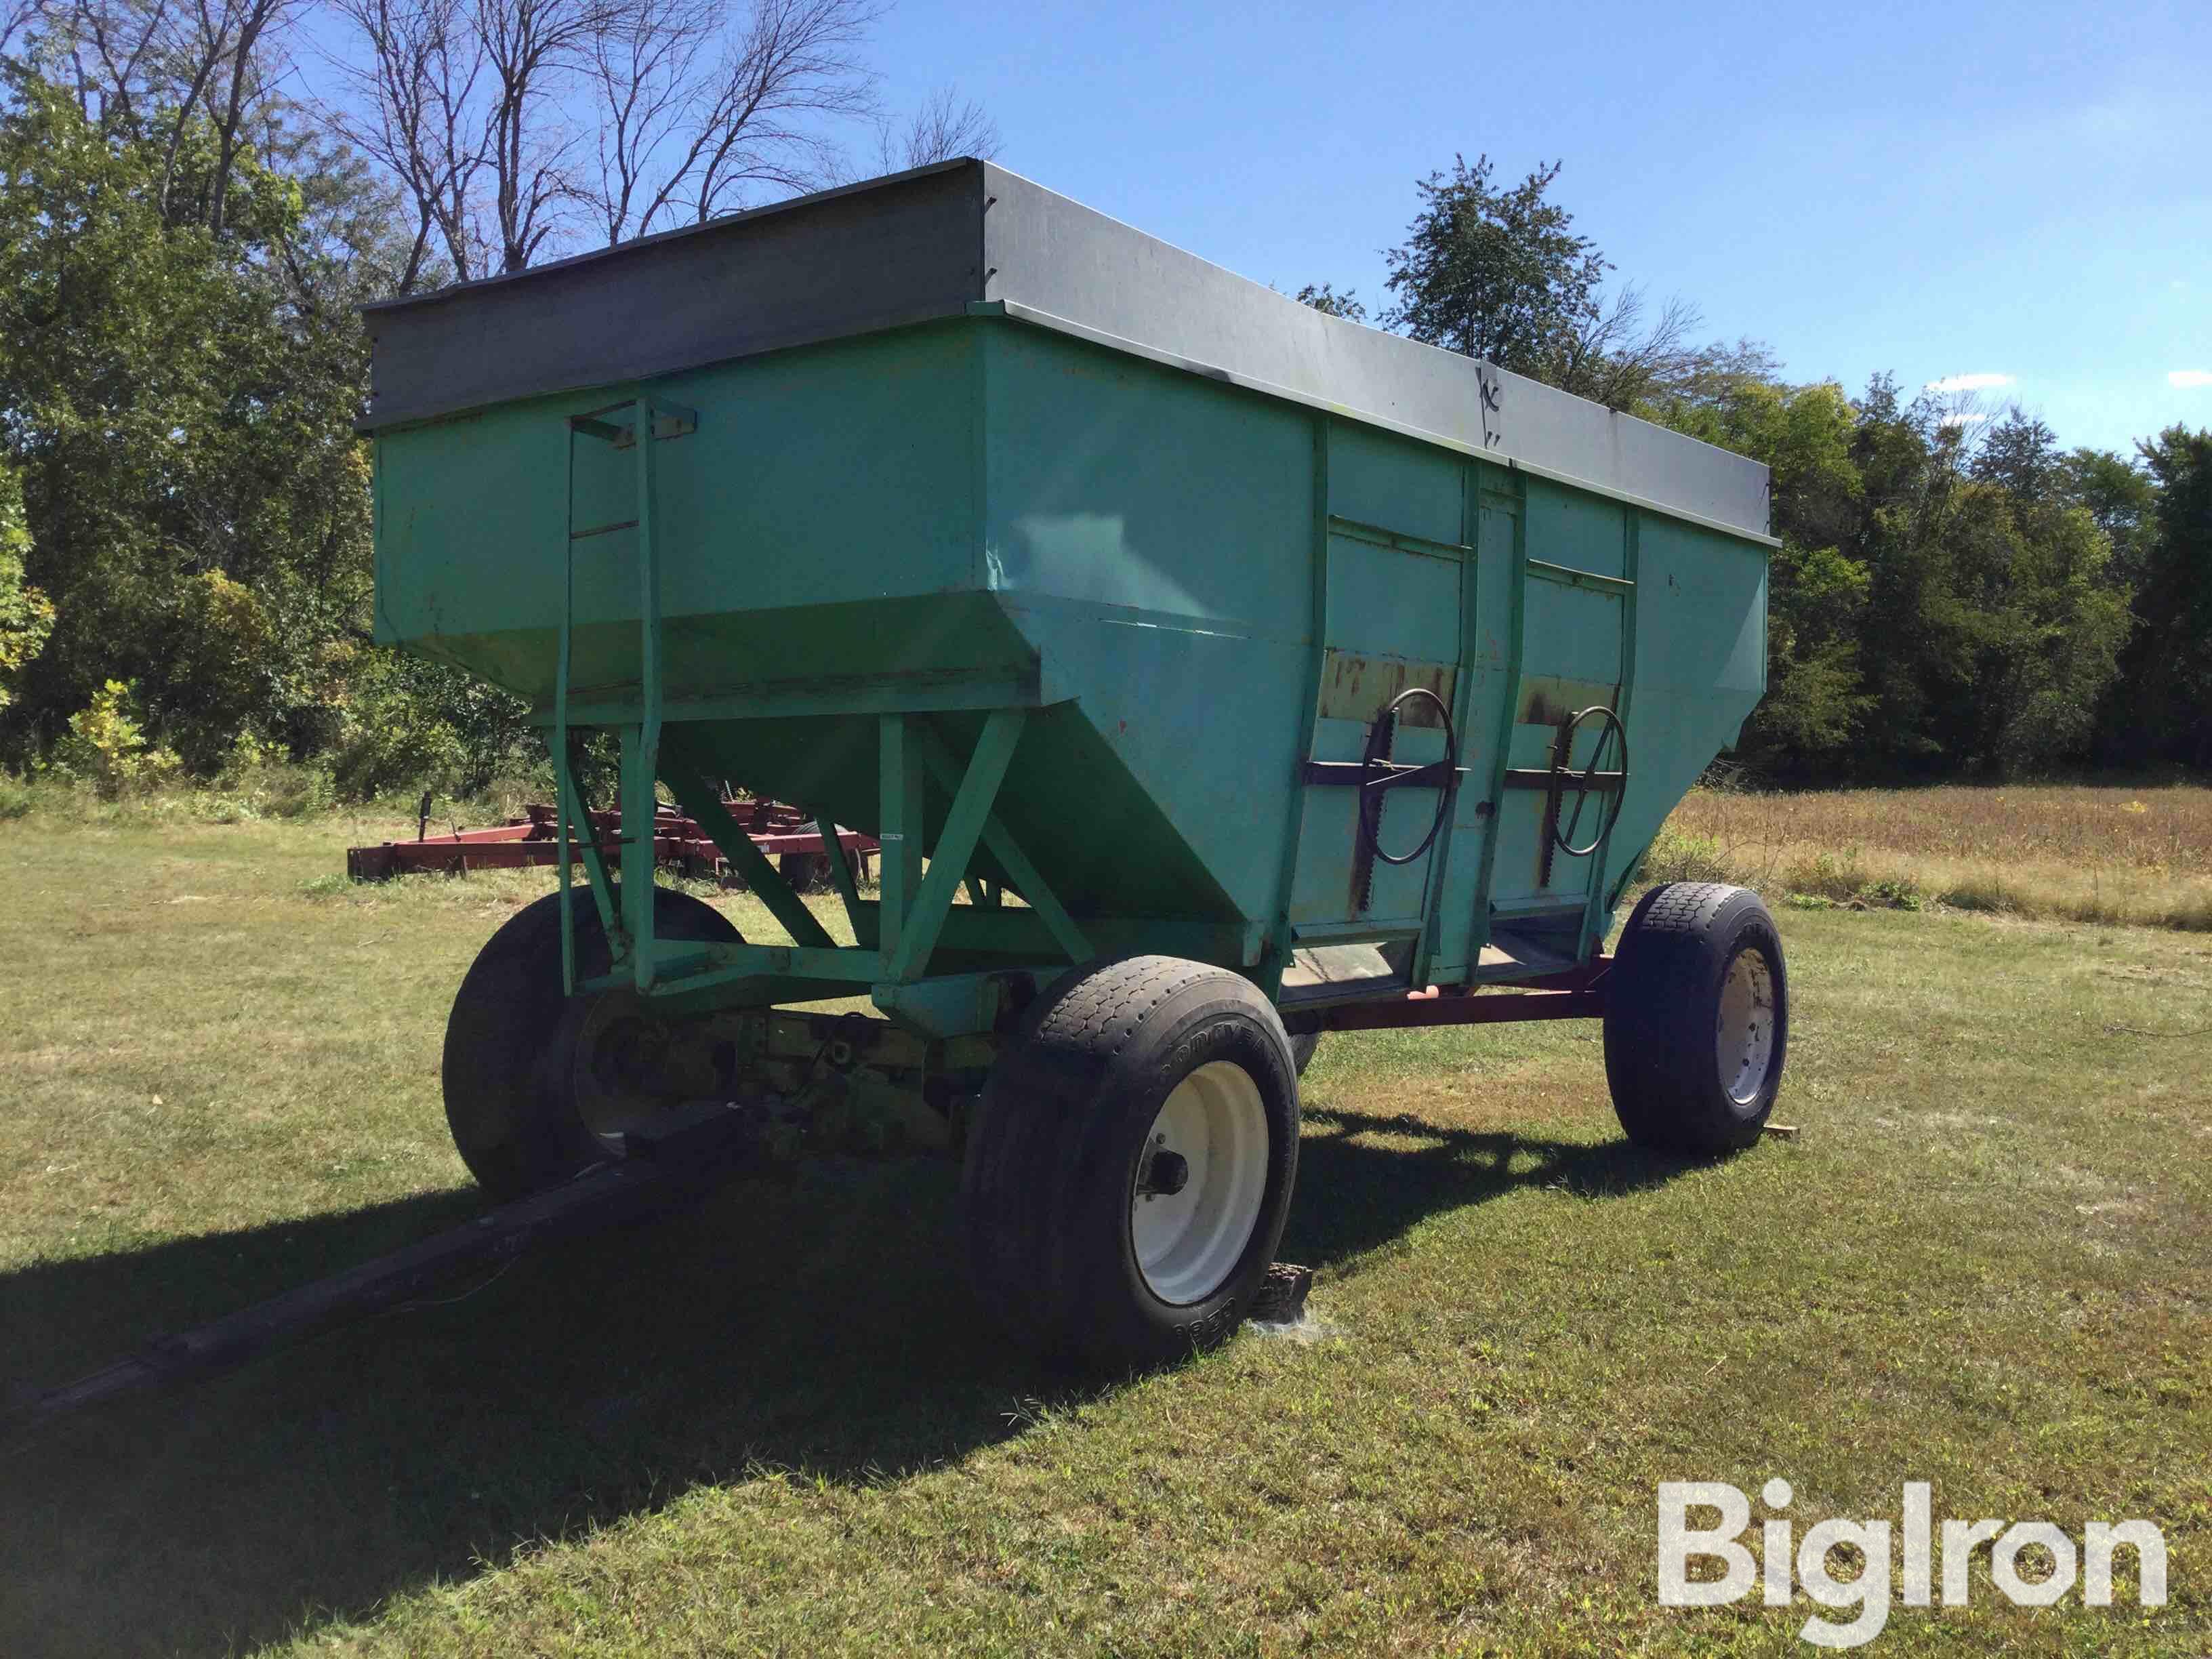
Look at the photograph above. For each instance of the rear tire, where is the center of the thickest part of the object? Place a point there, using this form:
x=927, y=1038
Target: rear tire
x=1302, y=1049
x=1131, y=1162
x=518, y=1091
x=1697, y=1019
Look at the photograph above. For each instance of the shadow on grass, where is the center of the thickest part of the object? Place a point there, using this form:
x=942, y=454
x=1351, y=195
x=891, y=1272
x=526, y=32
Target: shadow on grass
x=818, y=1323
x=1354, y=1195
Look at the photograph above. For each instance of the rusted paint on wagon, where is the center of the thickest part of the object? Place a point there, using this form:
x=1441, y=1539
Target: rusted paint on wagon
x=779, y=831
x=1354, y=684
x=1549, y=700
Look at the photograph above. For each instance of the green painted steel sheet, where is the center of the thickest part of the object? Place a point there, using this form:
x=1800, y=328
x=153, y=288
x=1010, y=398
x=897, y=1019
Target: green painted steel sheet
x=981, y=513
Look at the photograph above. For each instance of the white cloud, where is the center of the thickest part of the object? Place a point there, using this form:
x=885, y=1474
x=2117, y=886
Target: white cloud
x=2189, y=377
x=1968, y=383
x=1962, y=419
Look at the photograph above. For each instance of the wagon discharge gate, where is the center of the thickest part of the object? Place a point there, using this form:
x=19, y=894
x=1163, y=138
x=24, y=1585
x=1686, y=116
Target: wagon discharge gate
x=1247, y=671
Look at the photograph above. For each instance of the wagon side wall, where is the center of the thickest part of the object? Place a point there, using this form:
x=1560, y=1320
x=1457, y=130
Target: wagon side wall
x=1700, y=628
x=1151, y=534
x=1154, y=534
x=820, y=477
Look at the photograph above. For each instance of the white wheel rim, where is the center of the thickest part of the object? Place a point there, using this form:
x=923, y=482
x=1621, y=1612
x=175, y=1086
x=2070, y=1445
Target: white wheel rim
x=1188, y=1243
x=1744, y=1040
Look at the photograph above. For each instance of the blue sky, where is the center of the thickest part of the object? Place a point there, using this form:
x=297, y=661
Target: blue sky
x=1940, y=191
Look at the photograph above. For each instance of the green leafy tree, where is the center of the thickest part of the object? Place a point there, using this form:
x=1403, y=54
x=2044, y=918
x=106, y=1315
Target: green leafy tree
x=1324, y=298
x=1817, y=592
x=106, y=745
x=1502, y=274
x=179, y=406
x=1934, y=608
x=26, y=615
x=2018, y=453
x=1491, y=273
x=2163, y=706
x=2121, y=496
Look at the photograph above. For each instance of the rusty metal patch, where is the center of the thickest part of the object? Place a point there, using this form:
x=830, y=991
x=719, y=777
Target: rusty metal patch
x=1548, y=700
x=1355, y=686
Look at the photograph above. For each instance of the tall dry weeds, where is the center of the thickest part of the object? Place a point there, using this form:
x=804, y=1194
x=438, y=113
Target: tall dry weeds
x=2070, y=851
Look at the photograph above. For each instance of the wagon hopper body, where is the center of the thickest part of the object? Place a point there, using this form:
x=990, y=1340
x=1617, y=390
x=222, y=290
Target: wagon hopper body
x=1137, y=607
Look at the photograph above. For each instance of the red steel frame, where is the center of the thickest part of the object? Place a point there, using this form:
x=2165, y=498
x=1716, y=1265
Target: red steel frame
x=775, y=828
x=1577, y=995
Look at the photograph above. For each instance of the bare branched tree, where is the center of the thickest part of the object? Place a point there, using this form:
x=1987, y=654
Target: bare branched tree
x=509, y=126
x=204, y=40
x=112, y=46
x=697, y=116
x=1620, y=355
x=413, y=111
x=104, y=50
x=535, y=51
x=792, y=67
x=248, y=77
x=644, y=72
x=151, y=66
x=18, y=17
x=1613, y=354
x=946, y=126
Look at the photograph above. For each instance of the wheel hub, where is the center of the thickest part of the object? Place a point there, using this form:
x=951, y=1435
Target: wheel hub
x=1167, y=1174
x=1200, y=1183
x=1744, y=1037
x=613, y=1056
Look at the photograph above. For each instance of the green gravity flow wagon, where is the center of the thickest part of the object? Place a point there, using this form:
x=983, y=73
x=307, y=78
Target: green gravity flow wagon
x=1215, y=673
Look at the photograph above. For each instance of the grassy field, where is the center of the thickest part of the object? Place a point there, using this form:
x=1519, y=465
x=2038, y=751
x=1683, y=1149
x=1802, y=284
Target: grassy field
x=777, y=1424
x=2052, y=851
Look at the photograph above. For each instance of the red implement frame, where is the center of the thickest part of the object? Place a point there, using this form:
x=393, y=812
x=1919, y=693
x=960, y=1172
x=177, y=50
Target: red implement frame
x=1577, y=995
x=777, y=830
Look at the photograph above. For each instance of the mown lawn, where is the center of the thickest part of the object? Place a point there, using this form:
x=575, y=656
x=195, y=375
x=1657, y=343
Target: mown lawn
x=777, y=1424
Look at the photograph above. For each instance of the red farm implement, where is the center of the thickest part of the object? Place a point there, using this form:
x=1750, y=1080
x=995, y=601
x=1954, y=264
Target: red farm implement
x=778, y=832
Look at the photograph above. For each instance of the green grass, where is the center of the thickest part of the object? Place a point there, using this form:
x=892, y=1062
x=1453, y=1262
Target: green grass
x=777, y=1424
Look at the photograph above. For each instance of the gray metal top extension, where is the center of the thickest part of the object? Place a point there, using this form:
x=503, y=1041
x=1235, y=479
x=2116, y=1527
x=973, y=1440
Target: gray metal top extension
x=941, y=241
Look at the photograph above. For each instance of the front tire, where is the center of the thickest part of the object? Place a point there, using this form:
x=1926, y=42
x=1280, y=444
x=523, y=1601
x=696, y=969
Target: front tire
x=526, y=1105
x=1697, y=1019
x=1130, y=1166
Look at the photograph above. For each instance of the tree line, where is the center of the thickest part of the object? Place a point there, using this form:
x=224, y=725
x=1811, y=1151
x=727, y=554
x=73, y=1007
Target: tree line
x=185, y=234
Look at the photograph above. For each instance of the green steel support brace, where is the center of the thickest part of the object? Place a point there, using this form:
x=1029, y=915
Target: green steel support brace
x=563, y=786
x=587, y=846
x=570, y=819
x=1470, y=586
x=639, y=811
x=841, y=871
x=1025, y=875
x=1602, y=899
x=641, y=758
x=630, y=936
x=698, y=798
x=900, y=778
x=956, y=845
x=1281, y=936
x=1513, y=488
